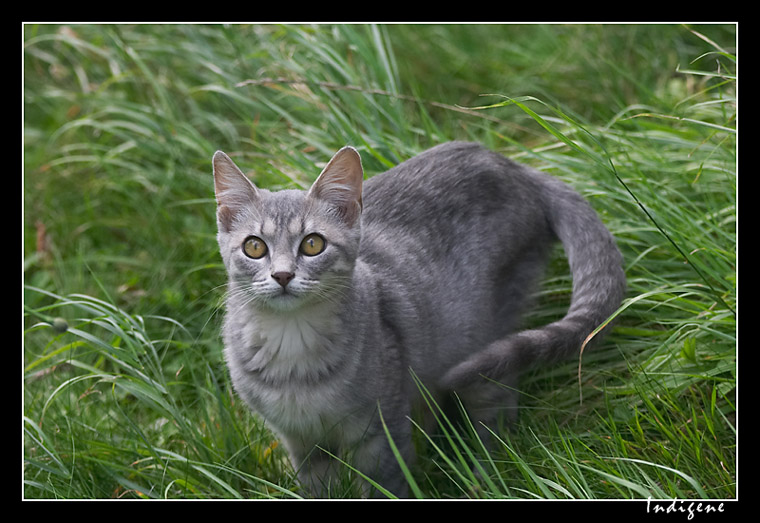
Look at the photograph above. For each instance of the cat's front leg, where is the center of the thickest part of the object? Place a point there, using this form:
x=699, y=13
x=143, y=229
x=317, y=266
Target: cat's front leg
x=375, y=458
x=317, y=471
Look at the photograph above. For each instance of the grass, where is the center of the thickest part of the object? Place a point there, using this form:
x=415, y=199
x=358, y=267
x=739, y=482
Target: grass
x=132, y=400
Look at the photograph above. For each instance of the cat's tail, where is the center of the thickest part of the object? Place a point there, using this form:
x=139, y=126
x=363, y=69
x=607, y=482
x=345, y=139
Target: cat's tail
x=598, y=289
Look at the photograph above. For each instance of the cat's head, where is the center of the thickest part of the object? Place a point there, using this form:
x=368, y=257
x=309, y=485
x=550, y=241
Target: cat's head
x=288, y=249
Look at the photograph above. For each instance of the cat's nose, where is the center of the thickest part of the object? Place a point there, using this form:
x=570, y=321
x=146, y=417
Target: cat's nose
x=283, y=278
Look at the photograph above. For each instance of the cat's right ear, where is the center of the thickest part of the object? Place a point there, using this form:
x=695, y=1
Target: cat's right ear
x=234, y=191
x=340, y=184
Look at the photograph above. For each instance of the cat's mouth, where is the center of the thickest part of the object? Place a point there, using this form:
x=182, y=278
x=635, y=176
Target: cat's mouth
x=284, y=299
x=286, y=293
x=294, y=295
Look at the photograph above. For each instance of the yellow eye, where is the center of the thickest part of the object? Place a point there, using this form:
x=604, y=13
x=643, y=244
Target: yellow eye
x=312, y=245
x=254, y=247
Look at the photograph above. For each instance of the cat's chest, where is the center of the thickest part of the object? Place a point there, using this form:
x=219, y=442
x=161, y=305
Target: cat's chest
x=312, y=413
x=294, y=348
x=290, y=369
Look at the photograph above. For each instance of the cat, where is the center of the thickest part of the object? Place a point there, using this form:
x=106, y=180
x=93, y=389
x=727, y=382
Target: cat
x=337, y=294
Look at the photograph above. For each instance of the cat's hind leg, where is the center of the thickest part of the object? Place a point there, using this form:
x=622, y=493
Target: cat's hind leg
x=491, y=406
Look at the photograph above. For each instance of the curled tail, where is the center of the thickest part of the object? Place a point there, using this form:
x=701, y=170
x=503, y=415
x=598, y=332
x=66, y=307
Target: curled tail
x=598, y=289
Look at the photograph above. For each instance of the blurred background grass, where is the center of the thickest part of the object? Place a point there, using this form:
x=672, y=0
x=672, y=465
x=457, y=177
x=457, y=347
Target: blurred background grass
x=120, y=122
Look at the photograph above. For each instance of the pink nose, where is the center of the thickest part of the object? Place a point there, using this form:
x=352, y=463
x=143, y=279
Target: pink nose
x=283, y=278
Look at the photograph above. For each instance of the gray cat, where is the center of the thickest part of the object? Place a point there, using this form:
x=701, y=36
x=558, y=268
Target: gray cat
x=335, y=293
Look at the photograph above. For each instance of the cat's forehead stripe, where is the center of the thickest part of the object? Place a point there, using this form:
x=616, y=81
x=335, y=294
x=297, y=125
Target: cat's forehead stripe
x=295, y=226
x=268, y=227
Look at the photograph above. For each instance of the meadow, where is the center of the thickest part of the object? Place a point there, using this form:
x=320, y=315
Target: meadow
x=125, y=392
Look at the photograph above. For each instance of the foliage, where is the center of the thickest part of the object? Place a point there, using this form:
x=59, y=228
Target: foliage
x=120, y=122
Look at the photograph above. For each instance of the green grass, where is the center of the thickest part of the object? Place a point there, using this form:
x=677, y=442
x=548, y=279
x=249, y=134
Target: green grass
x=120, y=122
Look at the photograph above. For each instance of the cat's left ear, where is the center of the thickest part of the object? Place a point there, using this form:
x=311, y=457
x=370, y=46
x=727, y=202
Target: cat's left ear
x=234, y=191
x=340, y=184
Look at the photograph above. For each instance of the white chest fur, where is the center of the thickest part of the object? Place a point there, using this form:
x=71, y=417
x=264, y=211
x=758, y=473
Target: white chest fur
x=289, y=379
x=291, y=345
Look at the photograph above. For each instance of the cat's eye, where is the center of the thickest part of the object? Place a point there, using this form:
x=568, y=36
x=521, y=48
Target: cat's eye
x=312, y=245
x=254, y=247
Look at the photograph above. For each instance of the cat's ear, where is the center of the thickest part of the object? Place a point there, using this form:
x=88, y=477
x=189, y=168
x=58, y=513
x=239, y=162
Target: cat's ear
x=340, y=184
x=234, y=191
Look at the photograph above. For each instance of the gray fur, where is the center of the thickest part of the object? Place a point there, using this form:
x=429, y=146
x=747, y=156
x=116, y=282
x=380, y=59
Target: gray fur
x=428, y=267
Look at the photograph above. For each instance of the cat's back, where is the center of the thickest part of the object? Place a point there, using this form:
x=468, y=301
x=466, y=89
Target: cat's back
x=429, y=181
x=456, y=187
